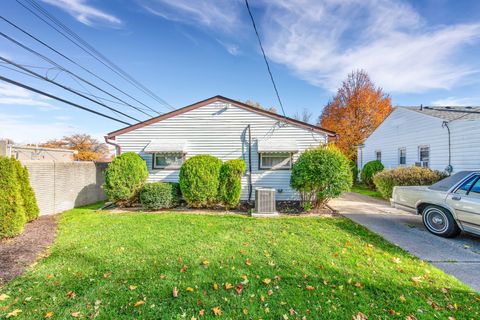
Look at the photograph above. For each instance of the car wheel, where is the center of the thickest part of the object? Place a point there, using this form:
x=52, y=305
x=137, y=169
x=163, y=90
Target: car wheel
x=440, y=221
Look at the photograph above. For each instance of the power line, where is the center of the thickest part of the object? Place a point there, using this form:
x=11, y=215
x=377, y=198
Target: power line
x=66, y=88
x=43, y=93
x=80, y=66
x=64, y=69
x=265, y=57
x=90, y=50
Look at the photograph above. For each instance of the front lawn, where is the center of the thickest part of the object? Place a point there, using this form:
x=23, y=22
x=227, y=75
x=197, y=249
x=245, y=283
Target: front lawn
x=366, y=191
x=129, y=266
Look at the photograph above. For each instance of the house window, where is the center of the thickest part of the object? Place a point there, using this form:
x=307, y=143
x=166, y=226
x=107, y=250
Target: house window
x=378, y=155
x=276, y=161
x=424, y=156
x=402, y=156
x=168, y=160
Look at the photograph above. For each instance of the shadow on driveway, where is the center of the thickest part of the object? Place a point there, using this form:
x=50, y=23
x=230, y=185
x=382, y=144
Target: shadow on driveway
x=459, y=256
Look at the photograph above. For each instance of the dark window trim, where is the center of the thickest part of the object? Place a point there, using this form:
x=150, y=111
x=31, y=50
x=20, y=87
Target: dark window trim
x=166, y=168
x=274, y=169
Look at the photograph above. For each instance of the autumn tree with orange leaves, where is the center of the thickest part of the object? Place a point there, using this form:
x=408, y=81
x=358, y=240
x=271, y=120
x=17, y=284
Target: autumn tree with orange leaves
x=355, y=112
x=89, y=148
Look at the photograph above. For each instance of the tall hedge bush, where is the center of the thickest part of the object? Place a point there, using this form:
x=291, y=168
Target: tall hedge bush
x=405, y=176
x=199, y=180
x=160, y=195
x=12, y=211
x=369, y=170
x=124, y=178
x=321, y=174
x=28, y=195
x=231, y=182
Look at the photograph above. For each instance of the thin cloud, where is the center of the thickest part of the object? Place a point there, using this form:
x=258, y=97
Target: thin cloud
x=12, y=95
x=85, y=13
x=455, y=102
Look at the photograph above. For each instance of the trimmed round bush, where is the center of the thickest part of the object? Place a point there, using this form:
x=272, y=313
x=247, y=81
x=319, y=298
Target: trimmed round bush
x=199, y=180
x=231, y=182
x=124, y=178
x=160, y=195
x=12, y=211
x=369, y=170
x=321, y=174
x=29, y=200
x=405, y=176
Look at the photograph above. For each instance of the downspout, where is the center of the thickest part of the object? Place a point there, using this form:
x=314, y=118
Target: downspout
x=249, y=164
x=449, y=168
x=118, y=148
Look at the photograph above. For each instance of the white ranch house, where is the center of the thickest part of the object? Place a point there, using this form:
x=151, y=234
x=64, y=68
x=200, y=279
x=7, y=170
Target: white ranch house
x=269, y=143
x=434, y=137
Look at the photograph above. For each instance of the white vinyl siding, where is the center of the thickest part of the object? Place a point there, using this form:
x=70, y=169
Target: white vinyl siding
x=220, y=129
x=410, y=129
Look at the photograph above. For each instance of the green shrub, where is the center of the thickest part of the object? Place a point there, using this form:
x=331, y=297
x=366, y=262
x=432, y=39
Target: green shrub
x=12, y=211
x=199, y=180
x=321, y=174
x=231, y=182
x=405, y=176
x=369, y=170
x=124, y=178
x=28, y=195
x=354, y=169
x=160, y=195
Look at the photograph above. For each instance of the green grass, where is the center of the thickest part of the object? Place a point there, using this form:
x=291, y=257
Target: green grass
x=366, y=191
x=99, y=255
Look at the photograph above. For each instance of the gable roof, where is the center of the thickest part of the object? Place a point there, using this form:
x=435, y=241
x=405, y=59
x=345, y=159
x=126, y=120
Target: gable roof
x=218, y=98
x=449, y=113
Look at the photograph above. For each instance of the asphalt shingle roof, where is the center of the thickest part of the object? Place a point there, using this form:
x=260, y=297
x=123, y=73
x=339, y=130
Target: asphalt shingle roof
x=450, y=113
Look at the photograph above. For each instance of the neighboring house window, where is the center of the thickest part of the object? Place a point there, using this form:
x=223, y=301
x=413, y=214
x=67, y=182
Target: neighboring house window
x=378, y=155
x=424, y=156
x=402, y=156
x=275, y=161
x=171, y=160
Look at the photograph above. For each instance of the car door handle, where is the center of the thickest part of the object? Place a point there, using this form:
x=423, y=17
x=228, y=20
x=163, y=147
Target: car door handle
x=456, y=198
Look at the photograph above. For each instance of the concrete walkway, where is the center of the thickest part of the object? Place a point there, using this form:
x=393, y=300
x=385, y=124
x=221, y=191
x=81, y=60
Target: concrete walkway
x=459, y=256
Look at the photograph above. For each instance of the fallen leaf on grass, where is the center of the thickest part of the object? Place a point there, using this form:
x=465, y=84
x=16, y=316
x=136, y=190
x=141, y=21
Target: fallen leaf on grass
x=132, y=287
x=396, y=260
x=215, y=286
x=267, y=281
x=183, y=269
x=71, y=294
x=228, y=286
x=359, y=316
x=358, y=285
x=410, y=317
x=310, y=288
x=14, y=313
x=139, y=303
x=49, y=314
x=239, y=288
x=248, y=262
x=175, y=292
x=205, y=263
x=402, y=298
x=217, y=311
x=270, y=292
x=107, y=275
x=416, y=279
x=3, y=297
x=189, y=289
x=75, y=314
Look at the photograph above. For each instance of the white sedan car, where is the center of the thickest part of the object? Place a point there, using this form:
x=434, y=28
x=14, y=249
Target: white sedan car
x=447, y=207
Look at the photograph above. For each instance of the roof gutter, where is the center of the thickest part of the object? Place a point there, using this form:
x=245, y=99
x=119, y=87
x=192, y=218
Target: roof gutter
x=118, y=148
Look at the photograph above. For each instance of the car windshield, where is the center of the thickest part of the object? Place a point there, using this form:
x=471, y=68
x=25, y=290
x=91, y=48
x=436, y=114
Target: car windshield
x=447, y=183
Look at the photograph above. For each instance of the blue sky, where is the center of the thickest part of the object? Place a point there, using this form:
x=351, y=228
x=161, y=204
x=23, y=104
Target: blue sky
x=420, y=52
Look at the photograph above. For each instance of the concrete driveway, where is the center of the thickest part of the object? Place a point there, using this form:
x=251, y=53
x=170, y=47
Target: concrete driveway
x=459, y=256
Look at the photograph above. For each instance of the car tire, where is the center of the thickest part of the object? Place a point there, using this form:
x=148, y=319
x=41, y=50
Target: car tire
x=440, y=221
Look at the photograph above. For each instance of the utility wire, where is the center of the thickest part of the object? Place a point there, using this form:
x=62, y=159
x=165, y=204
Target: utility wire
x=90, y=50
x=66, y=88
x=43, y=93
x=78, y=65
x=63, y=69
x=265, y=57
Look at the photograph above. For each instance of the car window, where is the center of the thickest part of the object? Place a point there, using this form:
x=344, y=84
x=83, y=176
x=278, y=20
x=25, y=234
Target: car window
x=447, y=183
x=475, y=191
x=466, y=185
